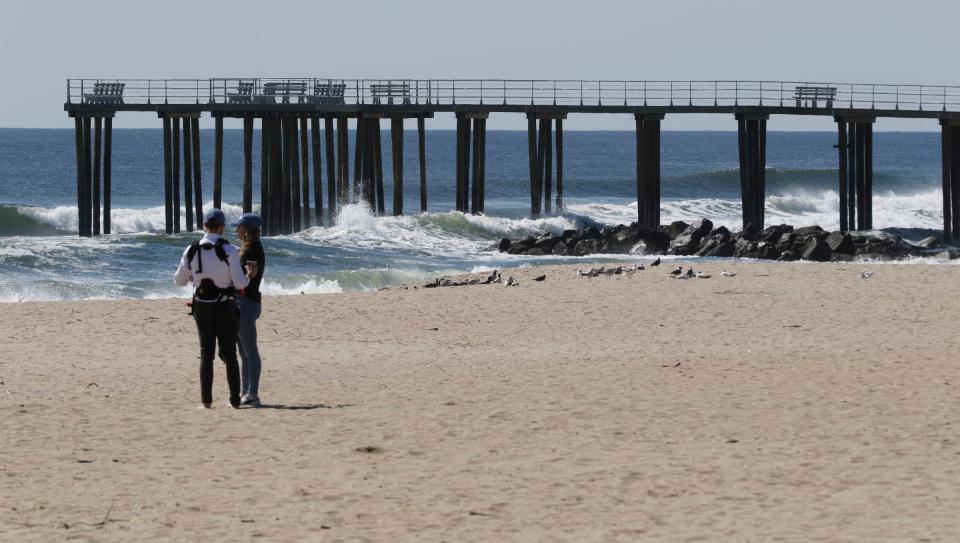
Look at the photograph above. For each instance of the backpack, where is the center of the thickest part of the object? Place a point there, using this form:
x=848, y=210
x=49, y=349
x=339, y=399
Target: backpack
x=207, y=291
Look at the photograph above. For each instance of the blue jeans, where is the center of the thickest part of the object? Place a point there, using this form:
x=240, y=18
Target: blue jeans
x=247, y=341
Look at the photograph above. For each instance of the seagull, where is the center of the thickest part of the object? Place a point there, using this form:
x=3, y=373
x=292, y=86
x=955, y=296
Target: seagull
x=689, y=272
x=655, y=262
x=701, y=275
x=725, y=273
x=677, y=271
x=492, y=278
x=866, y=274
x=639, y=267
x=511, y=282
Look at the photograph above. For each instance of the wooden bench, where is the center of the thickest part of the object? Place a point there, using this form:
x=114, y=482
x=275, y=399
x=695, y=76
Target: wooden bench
x=390, y=91
x=328, y=93
x=244, y=94
x=814, y=94
x=284, y=90
x=105, y=93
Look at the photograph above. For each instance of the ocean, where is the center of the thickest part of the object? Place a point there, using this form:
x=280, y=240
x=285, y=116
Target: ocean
x=41, y=258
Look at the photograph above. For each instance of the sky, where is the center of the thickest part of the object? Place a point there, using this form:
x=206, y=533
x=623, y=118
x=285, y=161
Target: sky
x=44, y=42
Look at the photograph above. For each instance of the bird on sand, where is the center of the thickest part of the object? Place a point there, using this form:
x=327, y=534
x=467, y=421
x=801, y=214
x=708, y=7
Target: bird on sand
x=655, y=262
x=678, y=271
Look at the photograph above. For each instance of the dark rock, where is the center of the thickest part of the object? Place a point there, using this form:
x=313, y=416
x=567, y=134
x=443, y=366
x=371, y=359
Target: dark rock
x=676, y=228
x=586, y=247
x=816, y=250
x=787, y=242
x=655, y=241
x=806, y=232
x=750, y=233
x=592, y=233
x=547, y=241
x=840, y=242
x=788, y=256
x=536, y=251
x=540, y=278
x=688, y=242
x=707, y=246
x=724, y=249
x=567, y=234
x=619, y=239
x=772, y=234
x=560, y=249
x=743, y=248
x=841, y=257
x=504, y=245
x=767, y=251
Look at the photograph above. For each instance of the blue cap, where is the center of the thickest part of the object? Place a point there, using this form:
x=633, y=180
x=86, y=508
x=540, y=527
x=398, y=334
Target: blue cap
x=214, y=217
x=248, y=221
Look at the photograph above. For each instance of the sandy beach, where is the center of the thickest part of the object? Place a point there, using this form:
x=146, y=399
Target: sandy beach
x=793, y=402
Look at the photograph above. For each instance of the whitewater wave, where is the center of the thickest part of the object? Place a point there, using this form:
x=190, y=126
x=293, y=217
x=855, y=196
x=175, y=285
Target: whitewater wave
x=46, y=221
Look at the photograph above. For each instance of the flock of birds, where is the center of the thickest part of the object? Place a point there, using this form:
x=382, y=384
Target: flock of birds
x=677, y=273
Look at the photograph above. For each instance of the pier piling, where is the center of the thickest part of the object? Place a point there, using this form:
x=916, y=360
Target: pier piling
x=421, y=147
x=176, y=174
x=343, y=158
x=95, y=199
x=559, y=144
x=86, y=212
x=842, y=189
x=396, y=160
x=247, y=167
x=305, y=172
x=359, y=158
x=752, y=137
x=532, y=156
x=378, y=166
x=167, y=175
x=218, y=159
x=197, y=182
x=648, y=169
x=107, y=172
x=317, y=170
x=78, y=142
x=332, y=165
x=188, y=176
x=264, y=174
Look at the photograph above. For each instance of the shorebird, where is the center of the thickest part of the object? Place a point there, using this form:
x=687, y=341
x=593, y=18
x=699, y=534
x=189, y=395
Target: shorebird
x=689, y=272
x=701, y=275
x=677, y=271
x=725, y=273
x=494, y=277
x=866, y=274
x=655, y=262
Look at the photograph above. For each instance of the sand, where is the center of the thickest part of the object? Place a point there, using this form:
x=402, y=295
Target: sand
x=793, y=402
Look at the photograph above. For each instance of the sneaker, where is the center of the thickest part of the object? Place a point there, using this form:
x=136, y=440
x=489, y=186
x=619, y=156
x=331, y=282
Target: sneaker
x=250, y=400
x=206, y=406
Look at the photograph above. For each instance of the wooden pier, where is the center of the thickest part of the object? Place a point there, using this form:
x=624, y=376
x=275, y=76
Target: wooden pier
x=289, y=112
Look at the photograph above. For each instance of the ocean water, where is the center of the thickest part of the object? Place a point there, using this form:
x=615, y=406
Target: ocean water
x=41, y=258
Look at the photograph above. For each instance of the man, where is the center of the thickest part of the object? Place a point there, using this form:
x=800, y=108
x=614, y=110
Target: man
x=213, y=265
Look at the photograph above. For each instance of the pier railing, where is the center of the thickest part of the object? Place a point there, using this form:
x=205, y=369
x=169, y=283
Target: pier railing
x=517, y=92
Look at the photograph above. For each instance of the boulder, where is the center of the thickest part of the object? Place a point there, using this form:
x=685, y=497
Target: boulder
x=592, y=233
x=767, y=251
x=656, y=241
x=619, y=239
x=676, y=228
x=546, y=242
x=536, y=251
x=504, y=245
x=688, y=242
x=522, y=246
x=772, y=234
x=788, y=256
x=586, y=247
x=724, y=249
x=560, y=249
x=806, y=232
x=744, y=248
x=787, y=242
x=840, y=242
x=749, y=233
x=707, y=246
x=816, y=250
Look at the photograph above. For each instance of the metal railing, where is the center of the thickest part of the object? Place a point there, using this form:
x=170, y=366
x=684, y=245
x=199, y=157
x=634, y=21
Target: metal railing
x=518, y=92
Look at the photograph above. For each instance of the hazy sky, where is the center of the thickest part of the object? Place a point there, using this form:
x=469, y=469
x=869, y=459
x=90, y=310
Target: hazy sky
x=44, y=42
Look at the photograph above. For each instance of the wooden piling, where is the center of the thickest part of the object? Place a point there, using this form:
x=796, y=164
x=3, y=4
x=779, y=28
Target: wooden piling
x=343, y=158
x=744, y=171
x=842, y=189
x=331, y=169
x=197, y=182
x=264, y=175
x=276, y=175
x=317, y=170
x=852, y=183
x=396, y=161
x=95, y=199
x=378, y=166
x=176, y=174
x=548, y=166
x=868, y=175
x=533, y=159
x=286, y=198
x=218, y=161
x=188, y=176
x=761, y=181
x=655, y=171
x=421, y=144
x=368, y=192
x=78, y=137
x=359, y=157
x=480, y=157
x=559, y=144
x=861, y=189
x=459, y=164
x=475, y=174
x=955, y=179
x=305, y=173
x=87, y=180
x=946, y=179
x=296, y=210
x=167, y=175
x=642, y=208
x=107, y=171
x=247, y=165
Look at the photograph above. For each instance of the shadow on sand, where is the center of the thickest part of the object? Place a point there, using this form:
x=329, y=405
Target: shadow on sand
x=301, y=407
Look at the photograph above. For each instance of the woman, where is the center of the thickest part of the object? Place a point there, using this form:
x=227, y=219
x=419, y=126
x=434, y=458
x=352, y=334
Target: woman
x=251, y=254
x=213, y=265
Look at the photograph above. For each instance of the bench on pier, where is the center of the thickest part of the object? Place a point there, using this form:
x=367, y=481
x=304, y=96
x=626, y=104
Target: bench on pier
x=283, y=89
x=328, y=93
x=803, y=95
x=390, y=91
x=243, y=95
x=105, y=93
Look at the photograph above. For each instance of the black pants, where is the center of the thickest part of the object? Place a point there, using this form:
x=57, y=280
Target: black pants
x=217, y=323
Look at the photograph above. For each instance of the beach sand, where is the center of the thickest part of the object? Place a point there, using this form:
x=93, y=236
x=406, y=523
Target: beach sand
x=793, y=402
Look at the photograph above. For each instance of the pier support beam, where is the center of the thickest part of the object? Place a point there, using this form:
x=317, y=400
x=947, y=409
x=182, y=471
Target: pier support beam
x=167, y=175
x=648, y=170
x=305, y=173
x=317, y=170
x=332, y=165
x=95, y=198
x=359, y=158
x=540, y=149
x=264, y=174
x=107, y=171
x=78, y=142
x=86, y=211
x=463, y=162
x=188, y=177
x=950, y=161
x=176, y=174
x=197, y=184
x=558, y=141
x=218, y=161
x=378, y=166
x=343, y=160
x=421, y=146
x=247, y=165
x=396, y=161
x=471, y=138
x=855, y=150
x=752, y=138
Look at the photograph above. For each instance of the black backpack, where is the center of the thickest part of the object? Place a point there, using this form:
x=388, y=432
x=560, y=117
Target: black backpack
x=207, y=290
x=217, y=247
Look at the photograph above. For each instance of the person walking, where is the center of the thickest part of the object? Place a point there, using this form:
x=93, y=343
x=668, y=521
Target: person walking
x=213, y=265
x=249, y=303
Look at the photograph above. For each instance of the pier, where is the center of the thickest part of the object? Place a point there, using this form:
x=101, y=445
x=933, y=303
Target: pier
x=289, y=112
